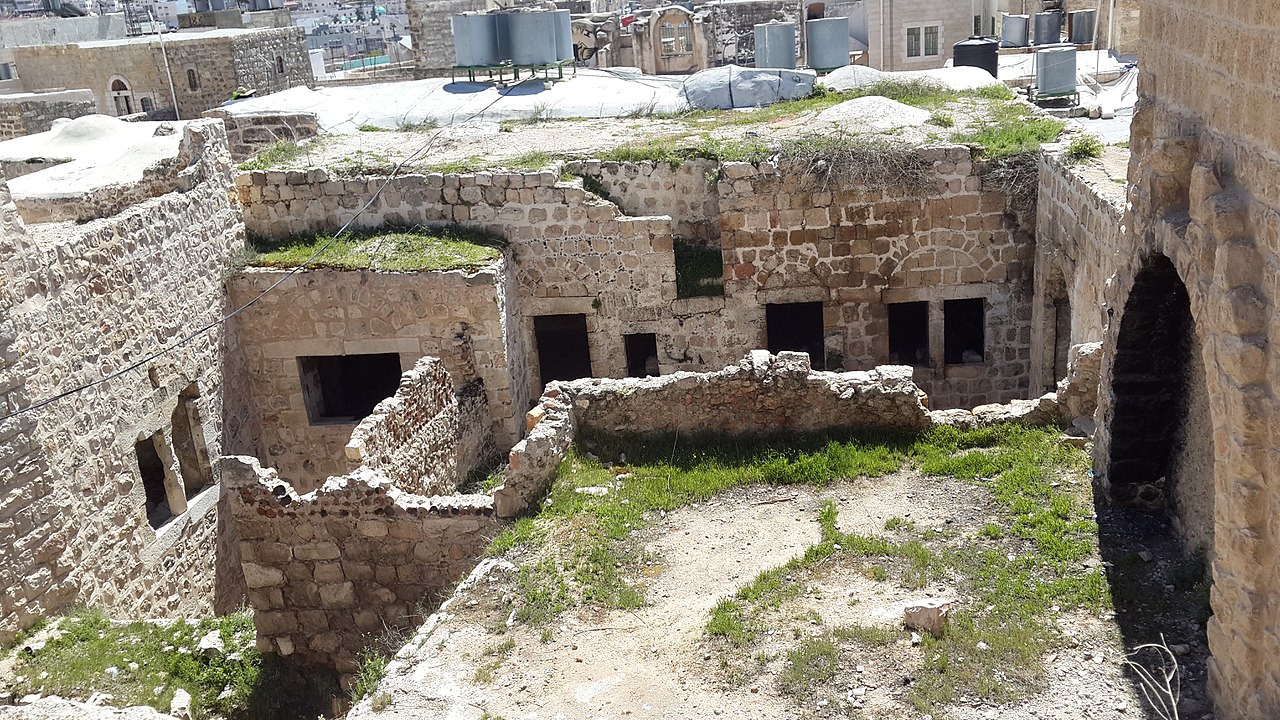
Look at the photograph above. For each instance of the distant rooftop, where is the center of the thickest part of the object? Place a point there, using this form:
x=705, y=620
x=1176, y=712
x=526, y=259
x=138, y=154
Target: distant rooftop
x=175, y=37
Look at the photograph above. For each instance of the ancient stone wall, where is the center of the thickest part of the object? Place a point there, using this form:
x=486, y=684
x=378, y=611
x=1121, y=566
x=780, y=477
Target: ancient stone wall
x=732, y=28
x=326, y=569
x=790, y=237
x=686, y=192
x=79, y=303
x=454, y=316
x=31, y=113
x=761, y=394
x=431, y=28
x=1079, y=224
x=270, y=61
x=249, y=134
x=426, y=437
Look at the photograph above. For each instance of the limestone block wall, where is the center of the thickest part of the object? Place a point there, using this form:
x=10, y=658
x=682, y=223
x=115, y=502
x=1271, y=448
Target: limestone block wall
x=686, y=192
x=270, y=60
x=249, y=134
x=454, y=316
x=77, y=304
x=761, y=394
x=1205, y=193
x=31, y=113
x=327, y=569
x=1080, y=213
x=426, y=437
x=432, y=32
x=789, y=237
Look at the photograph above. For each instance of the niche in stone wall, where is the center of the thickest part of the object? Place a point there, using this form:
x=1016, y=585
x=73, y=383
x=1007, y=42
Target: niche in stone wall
x=346, y=388
x=796, y=327
x=964, y=324
x=642, y=354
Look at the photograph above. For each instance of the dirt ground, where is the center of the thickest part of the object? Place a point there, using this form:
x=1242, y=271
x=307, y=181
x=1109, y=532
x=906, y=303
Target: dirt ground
x=655, y=661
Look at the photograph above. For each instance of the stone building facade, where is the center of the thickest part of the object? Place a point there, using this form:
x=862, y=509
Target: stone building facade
x=671, y=41
x=431, y=28
x=111, y=498
x=30, y=113
x=1181, y=298
x=201, y=70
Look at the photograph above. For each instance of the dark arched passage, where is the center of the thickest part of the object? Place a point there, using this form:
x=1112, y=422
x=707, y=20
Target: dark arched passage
x=1150, y=382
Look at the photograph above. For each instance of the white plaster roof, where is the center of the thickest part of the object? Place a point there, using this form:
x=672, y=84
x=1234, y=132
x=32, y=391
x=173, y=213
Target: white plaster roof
x=172, y=37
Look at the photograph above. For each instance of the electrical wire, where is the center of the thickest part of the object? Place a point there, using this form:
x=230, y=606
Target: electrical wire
x=229, y=316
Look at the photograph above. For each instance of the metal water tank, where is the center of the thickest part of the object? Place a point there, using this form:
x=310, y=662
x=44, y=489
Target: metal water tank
x=502, y=27
x=828, y=42
x=1015, y=30
x=776, y=45
x=533, y=38
x=564, y=35
x=1055, y=71
x=475, y=40
x=1048, y=27
x=1082, y=26
x=979, y=52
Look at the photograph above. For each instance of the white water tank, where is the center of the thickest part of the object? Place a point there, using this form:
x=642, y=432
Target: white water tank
x=828, y=40
x=564, y=35
x=475, y=40
x=1055, y=71
x=1015, y=30
x=533, y=38
x=776, y=45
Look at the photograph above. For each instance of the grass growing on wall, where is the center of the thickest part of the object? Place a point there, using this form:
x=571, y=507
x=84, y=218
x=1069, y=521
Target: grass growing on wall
x=385, y=249
x=278, y=154
x=1012, y=130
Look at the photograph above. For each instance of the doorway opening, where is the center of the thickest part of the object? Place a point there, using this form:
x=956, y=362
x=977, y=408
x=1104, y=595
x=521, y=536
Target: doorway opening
x=564, y=352
x=796, y=327
x=909, y=333
x=346, y=388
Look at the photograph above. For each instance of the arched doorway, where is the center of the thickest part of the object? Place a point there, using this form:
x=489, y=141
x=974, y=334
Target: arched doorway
x=121, y=97
x=1154, y=385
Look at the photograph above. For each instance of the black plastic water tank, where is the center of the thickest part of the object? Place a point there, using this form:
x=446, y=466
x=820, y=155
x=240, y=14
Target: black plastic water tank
x=980, y=52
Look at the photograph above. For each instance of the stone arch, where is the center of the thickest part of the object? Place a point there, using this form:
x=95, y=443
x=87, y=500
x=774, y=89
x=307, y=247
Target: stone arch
x=121, y=95
x=1160, y=454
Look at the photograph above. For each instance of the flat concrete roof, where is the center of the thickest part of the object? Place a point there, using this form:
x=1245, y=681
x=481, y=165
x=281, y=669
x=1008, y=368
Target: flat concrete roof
x=174, y=37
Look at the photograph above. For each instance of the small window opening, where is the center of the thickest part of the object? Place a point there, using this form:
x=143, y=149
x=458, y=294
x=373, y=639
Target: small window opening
x=909, y=333
x=192, y=81
x=147, y=105
x=642, y=354
x=346, y=388
x=796, y=327
x=151, y=467
x=280, y=64
x=564, y=352
x=913, y=42
x=964, y=330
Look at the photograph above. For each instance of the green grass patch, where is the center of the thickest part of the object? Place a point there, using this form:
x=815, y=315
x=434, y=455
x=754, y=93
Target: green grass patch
x=809, y=666
x=1012, y=129
x=142, y=663
x=371, y=668
x=532, y=160
x=282, y=152
x=1083, y=148
x=699, y=270
x=391, y=249
x=729, y=621
x=470, y=164
x=868, y=635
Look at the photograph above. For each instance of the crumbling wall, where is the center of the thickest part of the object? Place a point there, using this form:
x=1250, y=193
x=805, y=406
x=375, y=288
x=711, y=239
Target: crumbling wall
x=31, y=113
x=761, y=394
x=686, y=192
x=362, y=553
x=454, y=316
x=79, y=303
x=427, y=437
x=249, y=134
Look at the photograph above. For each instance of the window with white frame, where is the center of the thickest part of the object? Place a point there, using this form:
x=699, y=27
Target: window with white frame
x=924, y=41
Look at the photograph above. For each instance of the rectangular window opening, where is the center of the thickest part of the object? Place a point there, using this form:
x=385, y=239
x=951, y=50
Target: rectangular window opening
x=909, y=333
x=346, y=388
x=964, y=331
x=796, y=327
x=931, y=40
x=642, y=354
x=151, y=468
x=564, y=352
x=913, y=42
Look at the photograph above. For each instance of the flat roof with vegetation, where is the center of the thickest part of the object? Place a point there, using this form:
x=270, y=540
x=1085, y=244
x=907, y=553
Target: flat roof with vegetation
x=392, y=249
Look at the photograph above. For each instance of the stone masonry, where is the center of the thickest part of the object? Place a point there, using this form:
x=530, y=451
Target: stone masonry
x=249, y=134
x=77, y=303
x=326, y=569
x=31, y=113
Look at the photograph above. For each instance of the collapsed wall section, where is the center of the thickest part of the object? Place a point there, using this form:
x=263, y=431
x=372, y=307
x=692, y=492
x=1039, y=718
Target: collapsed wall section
x=111, y=498
x=363, y=553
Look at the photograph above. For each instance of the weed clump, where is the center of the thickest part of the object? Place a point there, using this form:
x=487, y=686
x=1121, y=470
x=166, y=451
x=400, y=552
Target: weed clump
x=1083, y=148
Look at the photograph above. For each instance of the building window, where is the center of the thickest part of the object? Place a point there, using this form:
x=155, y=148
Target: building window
x=684, y=38
x=964, y=331
x=6, y=71
x=667, y=37
x=909, y=333
x=346, y=388
x=147, y=105
x=924, y=41
x=279, y=65
x=642, y=354
x=164, y=497
x=193, y=82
